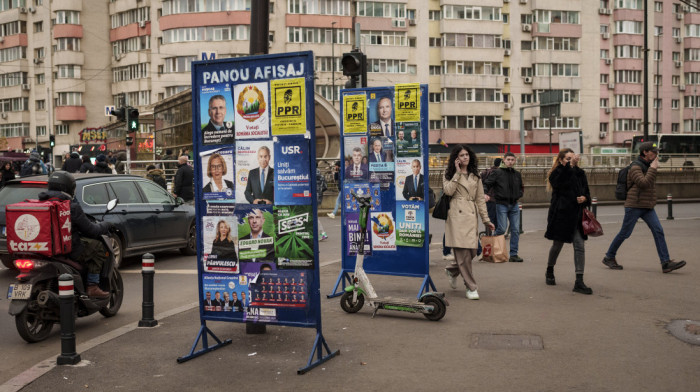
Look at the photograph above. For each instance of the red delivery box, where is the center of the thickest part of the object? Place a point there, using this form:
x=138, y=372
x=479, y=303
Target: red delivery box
x=41, y=227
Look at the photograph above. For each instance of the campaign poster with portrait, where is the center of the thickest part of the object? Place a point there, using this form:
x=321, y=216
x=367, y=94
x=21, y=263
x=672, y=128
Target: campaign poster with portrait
x=408, y=139
x=294, y=237
x=352, y=222
x=355, y=114
x=220, y=235
x=225, y=293
x=278, y=289
x=381, y=114
x=403, y=170
x=350, y=202
x=381, y=161
x=383, y=230
x=251, y=117
x=407, y=97
x=288, y=106
x=410, y=224
x=216, y=114
x=255, y=175
x=292, y=178
x=356, y=161
x=413, y=183
x=256, y=233
x=218, y=169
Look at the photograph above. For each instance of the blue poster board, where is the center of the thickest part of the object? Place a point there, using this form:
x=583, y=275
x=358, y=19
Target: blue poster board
x=391, y=151
x=254, y=175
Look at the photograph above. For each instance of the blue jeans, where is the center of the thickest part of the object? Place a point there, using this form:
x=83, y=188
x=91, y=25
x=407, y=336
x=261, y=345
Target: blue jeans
x=337, y=203
x=631, y=217
x=505, y=213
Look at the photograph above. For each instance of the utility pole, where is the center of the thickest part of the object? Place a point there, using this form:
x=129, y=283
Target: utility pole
x=333, y=63
x=658, y=61
x=259, y=27
x=646, y=71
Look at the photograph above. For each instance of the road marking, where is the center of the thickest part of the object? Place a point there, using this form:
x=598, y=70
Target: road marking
x=174, y=272
x=326, y=263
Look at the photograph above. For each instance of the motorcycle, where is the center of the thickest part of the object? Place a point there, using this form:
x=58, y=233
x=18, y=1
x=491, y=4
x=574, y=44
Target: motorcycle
x=34, y=298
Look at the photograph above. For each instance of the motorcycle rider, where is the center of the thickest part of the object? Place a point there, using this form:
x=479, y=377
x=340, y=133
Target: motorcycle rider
x=86, y=249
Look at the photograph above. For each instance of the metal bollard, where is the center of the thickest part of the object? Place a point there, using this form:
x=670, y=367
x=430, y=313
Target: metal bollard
x=148, y=270
x=520, y=208
x=66, y=298
x=669, y=199
x=594, y=205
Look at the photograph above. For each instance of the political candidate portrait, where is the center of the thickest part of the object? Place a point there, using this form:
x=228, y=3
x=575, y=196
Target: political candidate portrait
x=377, y=154
x=413, y=186
x=260, y=188
x=256, y=221
x=217, y=113
x=216, y=170
x=384, y=109
x=356, y=169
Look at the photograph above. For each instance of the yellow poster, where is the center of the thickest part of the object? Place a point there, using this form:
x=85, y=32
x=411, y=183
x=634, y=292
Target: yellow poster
x=355, y=113
x=407, y=102
x=288, y=109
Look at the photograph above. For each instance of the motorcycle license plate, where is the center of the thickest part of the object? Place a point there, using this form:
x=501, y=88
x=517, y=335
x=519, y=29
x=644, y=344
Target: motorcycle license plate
x=19, y=291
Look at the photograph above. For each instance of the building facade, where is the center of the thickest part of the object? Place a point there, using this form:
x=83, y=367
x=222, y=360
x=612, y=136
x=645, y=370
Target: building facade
x=63, y=61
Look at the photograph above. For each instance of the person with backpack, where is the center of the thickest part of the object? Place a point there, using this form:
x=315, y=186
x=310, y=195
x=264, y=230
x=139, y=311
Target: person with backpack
x=640, y=200
x=73, y=163
x=33, y=166
x=156, y=175
x=87, y=166
x=101, y=165
x=321, y=186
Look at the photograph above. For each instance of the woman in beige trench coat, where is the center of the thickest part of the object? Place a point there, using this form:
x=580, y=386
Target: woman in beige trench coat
x=463, y=183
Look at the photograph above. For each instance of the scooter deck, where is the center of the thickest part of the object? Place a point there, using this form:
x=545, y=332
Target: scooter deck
x=396, y=301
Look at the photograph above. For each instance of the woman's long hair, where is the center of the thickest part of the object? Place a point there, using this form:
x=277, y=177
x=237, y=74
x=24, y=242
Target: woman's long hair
x=218, y=232
x=471, y=166
x=560, y=156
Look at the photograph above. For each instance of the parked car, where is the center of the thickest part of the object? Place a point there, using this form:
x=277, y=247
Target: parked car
x=147, y=218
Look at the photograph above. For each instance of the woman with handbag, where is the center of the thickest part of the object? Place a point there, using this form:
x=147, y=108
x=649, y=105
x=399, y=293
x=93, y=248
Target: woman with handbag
x=570, y=196
x=463, y=184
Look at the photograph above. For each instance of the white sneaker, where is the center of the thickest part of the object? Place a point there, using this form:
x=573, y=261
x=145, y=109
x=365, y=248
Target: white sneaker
x=472, y=294
x=452, y=279
x=449, y=257
x=331, y=215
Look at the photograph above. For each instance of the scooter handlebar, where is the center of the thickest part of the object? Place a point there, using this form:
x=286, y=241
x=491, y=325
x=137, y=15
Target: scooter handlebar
x=364, y=201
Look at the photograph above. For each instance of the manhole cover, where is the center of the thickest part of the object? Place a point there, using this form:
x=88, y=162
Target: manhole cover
x=685, y=330
x=506, y=342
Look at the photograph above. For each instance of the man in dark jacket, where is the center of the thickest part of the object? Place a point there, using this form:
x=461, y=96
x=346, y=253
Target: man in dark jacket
x=87, y=166
x=85, y=248
x=120, y=167
x=184, y=180
x=507, y=186
x=488, y=193
x=72, y=164
x=156, y=175
x=101, y=165
x=640, y=202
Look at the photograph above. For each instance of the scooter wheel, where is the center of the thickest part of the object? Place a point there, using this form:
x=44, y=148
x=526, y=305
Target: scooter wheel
x=348, y=305
x=439, y=308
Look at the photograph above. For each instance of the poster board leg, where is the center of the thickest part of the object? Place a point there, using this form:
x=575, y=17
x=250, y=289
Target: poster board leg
x=343, y=277
x=203, y=332
x=427, y=286
x=318, y=349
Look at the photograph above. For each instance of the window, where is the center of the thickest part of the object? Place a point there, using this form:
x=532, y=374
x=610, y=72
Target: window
x=40, y=78
x=628, y=101
x=13, y=79
x=658, y=30
x=630, y=4
x=676, y=56
x=658, y=103
x=14, y=130
x=472, y=122
x=67, y=17
x=434, y=97
x=628, y=76
x=174, y=65
x=61, y=129
x=628, y=51
x=603, y=127
x=40, y=104
x=39, y=53
x=676, y=32
x=471, y=95
x=525, y=45
x=604, y=102
x=658, y=6
x=434, y=42
x=552, y=16
x=67, y=44
x=317, y=35
x=67, y=72
x=567, y=70
x=525, y=98
x=380, y=9
x=604, y=78
x=126, y=192
x=468, y=12
x=95, y=194
x=559, y=122
x=69, y=99
x=604, y=54
x=434, y=15
x=435, y=124
x=41, y=130
x=386, y=66
x=675, y=128
x=628, y=27
x=155, y=194
x=391, y=38
x=675, y=103
x=472, y=40
x=38, y=27
x=658, y=80
x=658, y=54
x=434, y=69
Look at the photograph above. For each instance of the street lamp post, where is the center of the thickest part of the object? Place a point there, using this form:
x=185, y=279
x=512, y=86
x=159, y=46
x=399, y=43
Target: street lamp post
x=333, y=63
x=658, y=61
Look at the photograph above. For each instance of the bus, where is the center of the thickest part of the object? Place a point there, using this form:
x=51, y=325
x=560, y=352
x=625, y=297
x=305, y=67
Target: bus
x=674, y=150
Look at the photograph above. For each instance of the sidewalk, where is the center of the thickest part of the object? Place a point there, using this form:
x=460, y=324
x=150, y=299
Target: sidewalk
x=613, y=340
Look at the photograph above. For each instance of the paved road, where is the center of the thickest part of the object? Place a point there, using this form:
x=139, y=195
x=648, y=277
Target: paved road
x=613, y=340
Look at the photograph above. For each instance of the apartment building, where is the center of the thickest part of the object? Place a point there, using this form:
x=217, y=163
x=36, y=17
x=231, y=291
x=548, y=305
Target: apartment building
x=63, y=61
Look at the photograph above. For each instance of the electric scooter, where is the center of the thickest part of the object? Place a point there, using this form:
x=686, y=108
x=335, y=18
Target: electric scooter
x=433, y=305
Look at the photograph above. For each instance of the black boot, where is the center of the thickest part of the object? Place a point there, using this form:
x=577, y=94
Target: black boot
x=549, y=277
x=581, y=287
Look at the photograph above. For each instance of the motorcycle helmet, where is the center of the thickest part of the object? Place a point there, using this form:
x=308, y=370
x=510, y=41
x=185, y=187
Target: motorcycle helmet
x=62, y=181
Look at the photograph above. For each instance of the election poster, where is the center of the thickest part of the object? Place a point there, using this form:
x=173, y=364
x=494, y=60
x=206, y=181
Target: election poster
x=288, y=106
x=256, y=233
x=255, y=176
x=414, y=183
x=292, y=178
x=403, y=170
x=410, y=224
x=218, y=169
x=294, y=236
x=407, y=98
x=352, y=222
x=408, y=139
x=356, y=162
x=381, y=161
x=362, y=189
x=383, y=230
x=225, y=293
x=220, y=237
x=355, y=114
x=251, y=116
x=216, y=114
x=279, y=289
x=381, y=114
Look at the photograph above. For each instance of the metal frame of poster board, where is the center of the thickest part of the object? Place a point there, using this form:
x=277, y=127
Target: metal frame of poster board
x=290, y=75
x=404, y=261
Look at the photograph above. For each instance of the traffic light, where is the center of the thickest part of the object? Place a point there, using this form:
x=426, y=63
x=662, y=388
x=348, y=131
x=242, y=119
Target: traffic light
x=52, y=141
x=355, y=66
x=133, y=118
x=129, y=140
x=120, y=113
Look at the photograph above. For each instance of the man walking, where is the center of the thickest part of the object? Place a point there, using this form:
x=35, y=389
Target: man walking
x=640, y=202
x=507, y=186
x=184, y=180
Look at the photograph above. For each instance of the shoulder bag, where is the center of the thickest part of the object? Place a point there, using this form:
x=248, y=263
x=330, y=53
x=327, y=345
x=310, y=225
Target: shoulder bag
x=442, y=206
x=591, y=226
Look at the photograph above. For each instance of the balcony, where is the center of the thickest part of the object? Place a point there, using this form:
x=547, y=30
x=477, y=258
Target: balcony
x=71, y=113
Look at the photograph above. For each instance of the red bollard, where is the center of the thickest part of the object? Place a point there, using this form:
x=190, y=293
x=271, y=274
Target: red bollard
x=148, y=270
x=66, y=296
